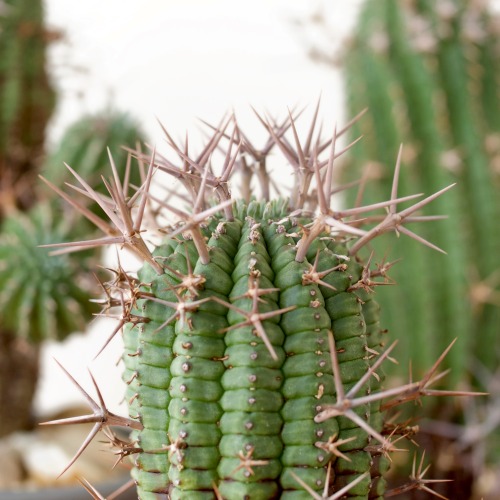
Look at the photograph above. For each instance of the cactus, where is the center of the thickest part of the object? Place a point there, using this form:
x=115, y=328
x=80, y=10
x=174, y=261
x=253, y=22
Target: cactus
x=428, y=72
x=26, y=97
x=84, y=145
x=252, y=344
x=26, y=104
x=40, y=298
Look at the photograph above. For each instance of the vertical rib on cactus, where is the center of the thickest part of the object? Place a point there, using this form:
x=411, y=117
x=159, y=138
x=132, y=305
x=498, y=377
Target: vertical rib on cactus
x=253, y=353
x=436, y=110
x=422, y=108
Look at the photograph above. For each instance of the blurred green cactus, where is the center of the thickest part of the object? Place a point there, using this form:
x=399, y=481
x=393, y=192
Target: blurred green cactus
x=26, y=96
x=84, y=147
x=26, y=104
x=40, y=297
x=429, y=74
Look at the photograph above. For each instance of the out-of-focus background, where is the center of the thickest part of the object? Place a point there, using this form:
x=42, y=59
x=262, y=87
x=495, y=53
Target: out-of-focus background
x=77, y=77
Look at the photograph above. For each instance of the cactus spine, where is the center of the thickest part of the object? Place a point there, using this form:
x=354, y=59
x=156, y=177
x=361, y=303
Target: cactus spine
x=428, y=72
x=253, y=347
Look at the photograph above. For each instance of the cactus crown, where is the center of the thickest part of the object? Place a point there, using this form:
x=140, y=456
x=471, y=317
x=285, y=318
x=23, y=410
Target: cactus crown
x=252, y=343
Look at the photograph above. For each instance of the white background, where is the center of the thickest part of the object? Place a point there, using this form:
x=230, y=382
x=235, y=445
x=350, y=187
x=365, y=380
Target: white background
x=178, y=60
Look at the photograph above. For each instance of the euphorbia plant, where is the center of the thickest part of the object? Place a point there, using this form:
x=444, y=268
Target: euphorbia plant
x=252, y=344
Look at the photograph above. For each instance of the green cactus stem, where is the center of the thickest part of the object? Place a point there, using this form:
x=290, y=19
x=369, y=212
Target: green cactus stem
x=252, y=340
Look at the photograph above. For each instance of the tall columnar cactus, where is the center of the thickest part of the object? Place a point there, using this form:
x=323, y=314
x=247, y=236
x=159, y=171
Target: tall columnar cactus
x=253, y=347
x=26, y=98
x=429, y=74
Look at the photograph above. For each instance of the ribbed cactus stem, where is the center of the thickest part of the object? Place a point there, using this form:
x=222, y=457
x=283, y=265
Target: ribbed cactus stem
x=253, y=347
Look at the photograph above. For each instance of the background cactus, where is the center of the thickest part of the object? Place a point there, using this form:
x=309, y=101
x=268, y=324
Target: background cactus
x=84, y=144
x=26, y=103
x=428, y=73
x=40, y=298
x=26, y=96
x=252, y=340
